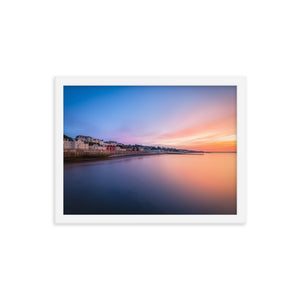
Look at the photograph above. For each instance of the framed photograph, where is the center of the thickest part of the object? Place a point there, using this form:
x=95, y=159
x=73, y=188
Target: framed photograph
x=160, y=150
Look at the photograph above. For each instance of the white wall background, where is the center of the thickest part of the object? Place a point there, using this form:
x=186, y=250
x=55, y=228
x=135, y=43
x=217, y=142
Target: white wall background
x=41, y=39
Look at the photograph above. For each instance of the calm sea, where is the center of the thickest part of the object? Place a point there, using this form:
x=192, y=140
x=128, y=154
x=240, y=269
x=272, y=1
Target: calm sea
x=158, y=184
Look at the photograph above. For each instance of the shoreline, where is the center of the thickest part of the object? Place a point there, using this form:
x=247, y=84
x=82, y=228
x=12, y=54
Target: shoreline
x=106, y=156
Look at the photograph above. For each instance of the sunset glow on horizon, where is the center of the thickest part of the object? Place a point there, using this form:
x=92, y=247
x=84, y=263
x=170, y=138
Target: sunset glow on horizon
x=199, y=118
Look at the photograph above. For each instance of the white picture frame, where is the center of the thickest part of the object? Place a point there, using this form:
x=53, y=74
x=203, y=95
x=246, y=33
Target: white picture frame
x=238, y=81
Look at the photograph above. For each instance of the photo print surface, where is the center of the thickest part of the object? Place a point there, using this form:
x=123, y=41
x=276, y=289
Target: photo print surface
x=138, y=150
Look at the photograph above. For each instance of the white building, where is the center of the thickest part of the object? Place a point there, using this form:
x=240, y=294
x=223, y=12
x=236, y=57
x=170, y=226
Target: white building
x=89, y=139
x=76, y=145
x=68, y=144
x=98, y=141
x=97, y=147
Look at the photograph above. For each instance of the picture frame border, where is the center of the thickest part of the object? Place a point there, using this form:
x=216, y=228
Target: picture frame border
x=238, y=81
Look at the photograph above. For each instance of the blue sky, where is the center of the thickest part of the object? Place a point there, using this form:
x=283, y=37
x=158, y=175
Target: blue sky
x=142, y=114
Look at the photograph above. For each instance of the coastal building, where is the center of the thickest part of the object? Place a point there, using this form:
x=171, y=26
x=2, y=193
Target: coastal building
x=88, y=139
x=110, y=143
x=98, y=141
x=81, y=145
x=110, y=148
x=97, y=147
x=69, y=145
x=83, y=138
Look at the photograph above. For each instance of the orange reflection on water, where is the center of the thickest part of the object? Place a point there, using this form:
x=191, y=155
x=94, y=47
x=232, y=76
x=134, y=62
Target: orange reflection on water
x=154, y=184
x=212, y=175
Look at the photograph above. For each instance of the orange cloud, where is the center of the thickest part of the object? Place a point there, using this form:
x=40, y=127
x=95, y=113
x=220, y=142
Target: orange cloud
x=217, y=135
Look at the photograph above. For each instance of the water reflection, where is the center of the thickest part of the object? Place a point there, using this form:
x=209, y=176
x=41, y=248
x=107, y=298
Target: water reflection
x=160, y=184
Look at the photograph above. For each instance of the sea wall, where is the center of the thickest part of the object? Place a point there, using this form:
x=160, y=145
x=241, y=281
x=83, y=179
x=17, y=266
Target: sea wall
x=79, y=153
x=83, y=155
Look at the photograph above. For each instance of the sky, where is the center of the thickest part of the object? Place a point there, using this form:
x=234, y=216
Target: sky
x=200, y=118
